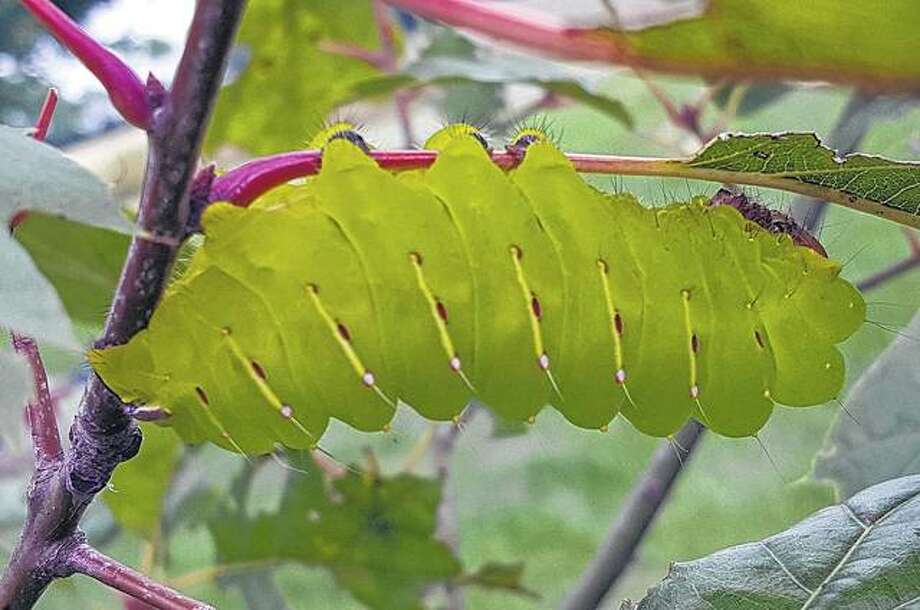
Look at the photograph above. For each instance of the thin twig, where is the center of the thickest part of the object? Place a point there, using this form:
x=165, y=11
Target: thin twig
x=636, y=515
x=46, y=441
x=86, y=560
x=448, y=526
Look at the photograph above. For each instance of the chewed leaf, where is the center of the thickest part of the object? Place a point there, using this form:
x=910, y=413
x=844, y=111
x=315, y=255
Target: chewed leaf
x=799, y=162
x=462, y=281
x=859, y=554
x=375, y=535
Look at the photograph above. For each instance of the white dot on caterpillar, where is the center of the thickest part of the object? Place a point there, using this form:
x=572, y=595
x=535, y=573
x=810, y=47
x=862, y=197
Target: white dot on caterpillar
x=287, y=411
x=620, y=376
x=694, y=391
x=767, y=394
x=543, y=361
x=827, y=366
x=455, y=364
x=368, y=379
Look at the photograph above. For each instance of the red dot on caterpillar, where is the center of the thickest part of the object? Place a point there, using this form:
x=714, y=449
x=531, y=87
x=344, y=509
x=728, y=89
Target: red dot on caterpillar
x=202, y=396
x=536, y=307
x=695, y=343
x=759, y=339
x=258, y=370
x=618, y=323
x=343, y=331
x=442, y=310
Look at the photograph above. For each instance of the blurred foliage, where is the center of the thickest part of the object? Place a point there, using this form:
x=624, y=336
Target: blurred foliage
x=375, y=534
x=871, y=43
x=290, y=84
x=137, y=491
x=24, y=88
x=878, y=439
x=82, y=262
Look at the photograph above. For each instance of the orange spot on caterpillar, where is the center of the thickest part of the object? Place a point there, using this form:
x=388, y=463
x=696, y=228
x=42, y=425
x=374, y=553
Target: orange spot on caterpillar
x=257, y=369
x=202, y=396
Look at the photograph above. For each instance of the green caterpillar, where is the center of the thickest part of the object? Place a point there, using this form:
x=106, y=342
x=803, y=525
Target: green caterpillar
x=360, y=288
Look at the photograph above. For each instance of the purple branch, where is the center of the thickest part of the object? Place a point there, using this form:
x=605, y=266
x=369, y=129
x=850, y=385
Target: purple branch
x=46, y=441
x=637, y=514
x=102, y=434
x=125, y=88
x=84, y=559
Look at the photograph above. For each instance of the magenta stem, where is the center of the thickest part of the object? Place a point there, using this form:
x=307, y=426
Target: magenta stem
x=243, y=184
x=529, y=32
x=43, y=124
x=125, y=88
x=46, y=441
x=84, y=559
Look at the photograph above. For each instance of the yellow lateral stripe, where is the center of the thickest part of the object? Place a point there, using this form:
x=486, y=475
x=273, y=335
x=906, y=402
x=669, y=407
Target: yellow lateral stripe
x=685, y=298
x=286, y=411
x=364, y=375
x=443, y=333
x=347, y=349
x=528, y=295
x=611, y=314
x=223, y=431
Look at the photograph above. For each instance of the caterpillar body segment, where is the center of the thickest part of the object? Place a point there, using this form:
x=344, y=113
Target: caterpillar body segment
x=361, y=288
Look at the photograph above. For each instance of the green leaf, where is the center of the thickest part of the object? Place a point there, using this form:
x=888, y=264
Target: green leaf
x=497, y=69
x=83, y=263
x=38, y=177
x=138, y=488
x=289, y=84
x=375, y=535
x=870, y=43
x=798, y=162
x=501, y=577
x=35, y=177
x=859, y=554
x=28, y=301
x=882, y=441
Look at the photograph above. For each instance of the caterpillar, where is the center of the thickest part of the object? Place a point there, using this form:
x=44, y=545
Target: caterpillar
x=360, y=288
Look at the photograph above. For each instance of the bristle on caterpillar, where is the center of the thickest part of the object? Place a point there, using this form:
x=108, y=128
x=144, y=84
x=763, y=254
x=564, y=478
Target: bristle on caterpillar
x=339, y=130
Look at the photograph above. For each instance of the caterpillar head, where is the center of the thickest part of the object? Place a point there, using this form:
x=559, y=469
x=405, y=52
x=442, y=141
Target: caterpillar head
x=773, y=221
